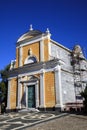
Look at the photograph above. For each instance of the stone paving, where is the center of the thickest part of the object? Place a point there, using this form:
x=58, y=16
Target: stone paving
x=68, y=122
x=42, y=121
x=20, y=121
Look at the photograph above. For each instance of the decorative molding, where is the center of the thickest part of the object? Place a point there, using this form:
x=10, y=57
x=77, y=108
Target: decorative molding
x=36, y=93
x=36, y=67
x=57, y=68
x=31, y=59
x=33, y=40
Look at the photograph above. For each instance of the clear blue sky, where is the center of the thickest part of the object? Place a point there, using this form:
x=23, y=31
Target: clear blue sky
x=66, y=20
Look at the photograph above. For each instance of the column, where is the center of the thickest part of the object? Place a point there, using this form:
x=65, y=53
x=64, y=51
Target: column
x=8, y=96
x=20, y=56
x=19, y=93
x=42, y=91
x=58, y=86
x=37, y=94
x=24, y=95
x=49, y=49
x=41, y=50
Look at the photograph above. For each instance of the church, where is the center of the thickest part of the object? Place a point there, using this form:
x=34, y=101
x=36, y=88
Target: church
x=45, y=74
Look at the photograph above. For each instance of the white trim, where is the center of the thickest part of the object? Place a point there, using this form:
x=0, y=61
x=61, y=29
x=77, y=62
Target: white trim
x=42, y=91
x=31, y=56
x=20, y=56
x=41, y=50
x=19, y=93
x=50, y=50
x=28, y=84
x=36, y=72
x=26, y=96
x=36, y=93
x=59, y=99
x=32, y=73
x=58, y=44
x=12, y=77
x=33, y=41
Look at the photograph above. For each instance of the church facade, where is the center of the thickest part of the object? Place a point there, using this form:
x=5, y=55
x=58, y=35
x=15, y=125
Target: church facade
x=45, y=74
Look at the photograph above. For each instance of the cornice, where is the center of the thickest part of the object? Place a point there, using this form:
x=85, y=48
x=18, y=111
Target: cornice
x=35, y=67
x=32, y=40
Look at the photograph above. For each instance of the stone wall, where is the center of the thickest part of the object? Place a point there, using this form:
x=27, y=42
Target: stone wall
x=64, y=54
x=68, y=90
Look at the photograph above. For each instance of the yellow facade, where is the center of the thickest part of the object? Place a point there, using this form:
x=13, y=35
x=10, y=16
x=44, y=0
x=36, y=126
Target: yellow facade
x=46, y=49
x=13, y=93
x=41, y=74
x=32, y=78
x=17, y=57
x=49, y=89
x=35, y=47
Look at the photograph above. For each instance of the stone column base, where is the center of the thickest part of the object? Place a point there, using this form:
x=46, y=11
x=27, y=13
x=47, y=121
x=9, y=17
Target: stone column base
x=59, y=107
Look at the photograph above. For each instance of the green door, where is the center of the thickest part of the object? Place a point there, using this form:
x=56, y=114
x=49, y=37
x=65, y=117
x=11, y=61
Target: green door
x=31, y=96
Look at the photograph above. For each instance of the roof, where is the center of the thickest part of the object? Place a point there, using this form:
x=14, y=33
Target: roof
x=29, y=34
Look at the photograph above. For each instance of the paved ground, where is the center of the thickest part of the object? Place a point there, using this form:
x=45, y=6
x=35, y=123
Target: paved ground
x=22, y=120
x=42, y=121
x=69, y=122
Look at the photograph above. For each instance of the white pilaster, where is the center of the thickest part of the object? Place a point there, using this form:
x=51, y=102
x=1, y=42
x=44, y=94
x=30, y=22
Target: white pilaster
x=26, y=96
x=42, y=50
x=49, y=44
x=37, y=94
x=42, y=91
x=49, y=47
x=8, y=98
x=59, y=100
x=19, y=93
x=20, y=56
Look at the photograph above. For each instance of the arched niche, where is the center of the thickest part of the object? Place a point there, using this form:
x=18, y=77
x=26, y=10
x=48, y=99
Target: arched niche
x=30, y=59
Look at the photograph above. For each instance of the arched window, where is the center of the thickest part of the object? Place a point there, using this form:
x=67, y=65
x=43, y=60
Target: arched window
x=30, y=59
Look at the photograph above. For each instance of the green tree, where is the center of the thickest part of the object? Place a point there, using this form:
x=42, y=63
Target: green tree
x=84, y=95
x=4, y=84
